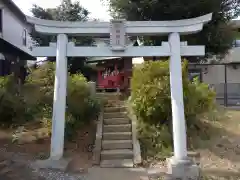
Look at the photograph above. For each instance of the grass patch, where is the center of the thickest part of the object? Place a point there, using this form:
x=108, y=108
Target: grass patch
x=220, y=151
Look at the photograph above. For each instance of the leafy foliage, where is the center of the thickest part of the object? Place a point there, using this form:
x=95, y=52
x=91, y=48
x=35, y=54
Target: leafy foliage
x=36, y=100
x=217, y=35
x=66, y=11
x=151, y=102
x=79, y=89
x=41, y=85
x=12, y=104
x=81, y=107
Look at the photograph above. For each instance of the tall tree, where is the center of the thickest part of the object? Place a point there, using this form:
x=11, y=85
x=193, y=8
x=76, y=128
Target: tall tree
x=217, y=35
x=66, y=11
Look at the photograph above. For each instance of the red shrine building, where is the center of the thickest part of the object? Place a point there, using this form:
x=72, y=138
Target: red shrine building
x=113, y=73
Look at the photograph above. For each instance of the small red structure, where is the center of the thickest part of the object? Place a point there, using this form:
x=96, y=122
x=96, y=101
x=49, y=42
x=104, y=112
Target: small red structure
x=112, y=75
x=112, y=72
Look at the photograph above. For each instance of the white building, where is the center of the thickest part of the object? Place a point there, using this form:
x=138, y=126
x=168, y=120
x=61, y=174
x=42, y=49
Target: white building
x=15, y=41
x=224, y=76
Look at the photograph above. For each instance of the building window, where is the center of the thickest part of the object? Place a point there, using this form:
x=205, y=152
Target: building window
x=25, y=37
x=195, y=73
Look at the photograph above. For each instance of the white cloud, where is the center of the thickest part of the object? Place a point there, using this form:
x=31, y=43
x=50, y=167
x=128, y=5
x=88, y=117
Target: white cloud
x=94, y=6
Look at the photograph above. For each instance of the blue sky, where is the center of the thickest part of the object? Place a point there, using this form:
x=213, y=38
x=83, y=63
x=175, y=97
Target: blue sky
x=97, y=9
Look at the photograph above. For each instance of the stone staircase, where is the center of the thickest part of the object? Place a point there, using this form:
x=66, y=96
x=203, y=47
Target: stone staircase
x=117, y=143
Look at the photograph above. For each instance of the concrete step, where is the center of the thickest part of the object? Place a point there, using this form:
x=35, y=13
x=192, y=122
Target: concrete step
x=117, y=144
x=117, y=136
x=116, y=154
x=113, y=103
x=114, y=115
x=108, y=94
x=116, y=121
x=117, y=163
x=117, y=128
x=115, y=109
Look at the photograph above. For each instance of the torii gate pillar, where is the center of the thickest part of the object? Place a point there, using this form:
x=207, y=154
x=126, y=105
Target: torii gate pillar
x=178, y=119
x=179, y=166
x=59, y=101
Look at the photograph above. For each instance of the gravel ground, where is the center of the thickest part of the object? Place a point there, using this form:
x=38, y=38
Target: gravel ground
x=16, y=158
x=18, y=166
x=58, y=175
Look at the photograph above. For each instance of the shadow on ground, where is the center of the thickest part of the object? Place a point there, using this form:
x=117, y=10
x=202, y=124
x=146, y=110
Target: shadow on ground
x=222, y=138
x=219, y=146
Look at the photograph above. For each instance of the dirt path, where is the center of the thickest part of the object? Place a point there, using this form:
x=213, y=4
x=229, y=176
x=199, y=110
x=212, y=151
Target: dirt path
x=79, y=150
x=13, y=166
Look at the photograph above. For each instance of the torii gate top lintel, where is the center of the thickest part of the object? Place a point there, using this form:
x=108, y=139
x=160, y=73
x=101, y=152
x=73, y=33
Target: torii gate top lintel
x=95, y=28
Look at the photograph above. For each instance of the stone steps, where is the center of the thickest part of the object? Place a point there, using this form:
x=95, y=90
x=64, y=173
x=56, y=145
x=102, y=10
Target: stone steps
x=111, y=99
x=116, y=144
x=117, y=128
x=113, y=104
x=117, y=136
x=110, y=115
x=115, y=109
x=116, y=154
x=117, y=163
x=116, y=121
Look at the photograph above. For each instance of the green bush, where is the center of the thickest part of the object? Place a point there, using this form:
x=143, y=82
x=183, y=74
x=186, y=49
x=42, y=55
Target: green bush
x=151, y=102
x=78, y=89
x=39, y=86
x=12, y=103
x=81, y=108
x=35, y=100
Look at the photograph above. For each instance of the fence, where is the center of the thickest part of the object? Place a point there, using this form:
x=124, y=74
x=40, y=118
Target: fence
x=224, y=78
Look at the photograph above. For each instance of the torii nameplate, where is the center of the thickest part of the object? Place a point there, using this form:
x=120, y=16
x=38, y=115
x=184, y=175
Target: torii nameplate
x=117, y=35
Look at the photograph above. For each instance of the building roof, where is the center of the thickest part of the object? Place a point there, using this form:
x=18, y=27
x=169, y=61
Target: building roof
x=8, y=48
x=15, y=9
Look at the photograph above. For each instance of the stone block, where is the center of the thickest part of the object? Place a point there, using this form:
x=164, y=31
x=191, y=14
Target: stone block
x=117, y=128
x=116, y=144
x=182, y=169
x=98, y=141
x=52, y=164
x=117, y=136
x=195, y=156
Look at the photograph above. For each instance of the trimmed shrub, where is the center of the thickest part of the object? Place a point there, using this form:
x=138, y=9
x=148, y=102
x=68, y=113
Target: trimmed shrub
x=35, y=100
x=151, y=102
x=12, y=103
x=39, y=86
x=78, y=89
x=81, y=108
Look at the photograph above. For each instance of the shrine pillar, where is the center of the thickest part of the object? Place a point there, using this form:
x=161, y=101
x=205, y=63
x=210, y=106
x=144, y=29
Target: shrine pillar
x=178, y=119
x=180, y=166
x=59, y=101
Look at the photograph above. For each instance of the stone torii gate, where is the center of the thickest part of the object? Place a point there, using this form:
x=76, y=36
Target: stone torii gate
x=118, y=30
